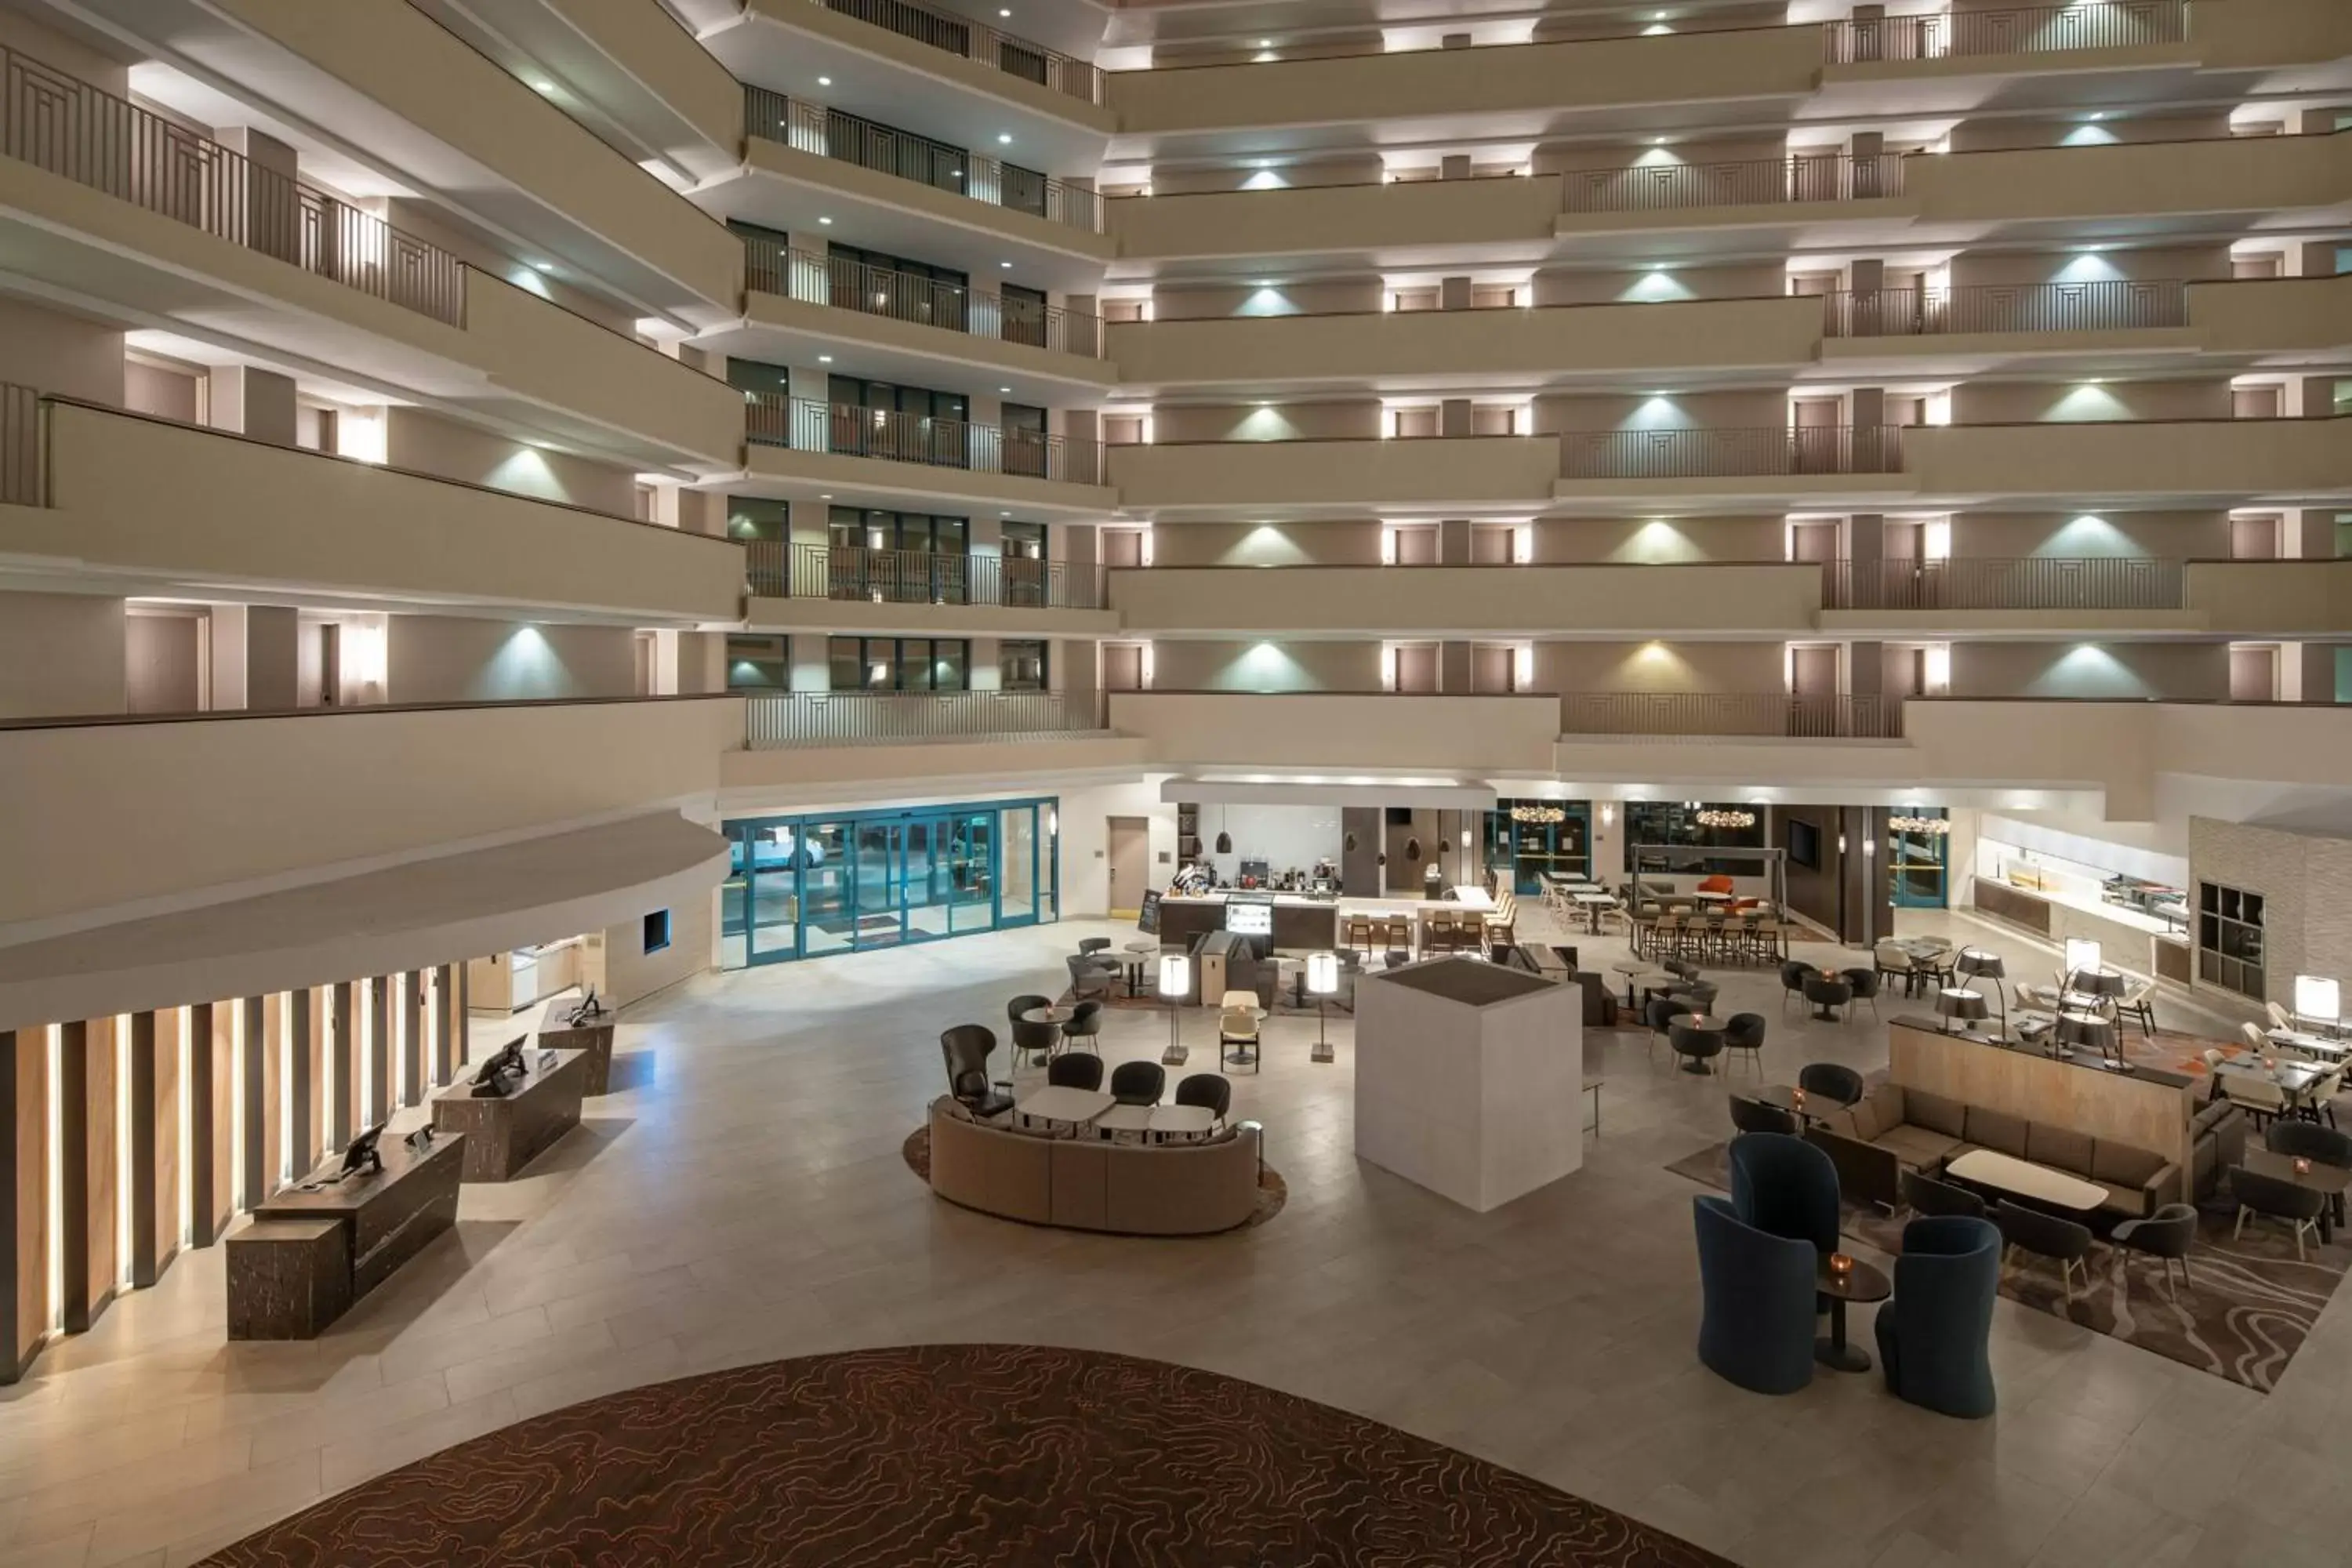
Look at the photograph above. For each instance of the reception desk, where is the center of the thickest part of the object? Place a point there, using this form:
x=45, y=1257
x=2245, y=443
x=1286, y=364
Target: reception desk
x=308, y=1255
x=1301, y=923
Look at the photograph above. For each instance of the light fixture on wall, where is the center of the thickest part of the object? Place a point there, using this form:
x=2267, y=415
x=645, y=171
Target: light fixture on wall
x=1733, y=817
x=1932, y=827
x=1607, y=814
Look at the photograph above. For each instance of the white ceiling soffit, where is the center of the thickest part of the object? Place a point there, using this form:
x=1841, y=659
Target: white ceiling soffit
x=1349, y=789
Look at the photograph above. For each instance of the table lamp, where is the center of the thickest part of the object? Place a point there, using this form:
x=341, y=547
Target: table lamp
x=2318, y=998
x=1958, y=1003
x=1976, y=963
x=1323, y=980
x=2090, y=1031
x=1175, y=984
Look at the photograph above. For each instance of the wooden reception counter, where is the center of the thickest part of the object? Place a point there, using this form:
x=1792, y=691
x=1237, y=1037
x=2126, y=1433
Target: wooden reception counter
x=504, y=1133
x=593, y=1040
x=308, y=1255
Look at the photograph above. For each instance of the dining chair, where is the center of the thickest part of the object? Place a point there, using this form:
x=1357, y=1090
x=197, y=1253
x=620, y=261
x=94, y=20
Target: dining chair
x=2139, y=1004
x=2319, y=1102
x=2280, y=1017
x=1138, y=1083
x=1893, y=964
x=1237, y=1042
x=2257, y=1095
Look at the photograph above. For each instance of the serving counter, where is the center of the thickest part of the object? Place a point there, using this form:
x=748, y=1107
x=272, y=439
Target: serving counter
x=1303, y=924
x=2128, y=939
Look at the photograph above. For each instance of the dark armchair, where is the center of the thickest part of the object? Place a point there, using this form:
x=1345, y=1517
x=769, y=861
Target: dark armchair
x=1864, y=982
x=2165, y=1236
x=1932, y=1335
x=1091, y=976
x=1209, y=1090
x=1744, y=1032
x=2049, y=1234
x=1138, y=1083
x=1830, y=1080
x=1930, y=1197
x=1755, y=1116
x=2275, y=1197
x=1075, y=1069
x=1795, y=973
x=1084, y=1028
x=1786, y=1186
x=1756, y=1301
x=966, y=1049
x=1031, y=1039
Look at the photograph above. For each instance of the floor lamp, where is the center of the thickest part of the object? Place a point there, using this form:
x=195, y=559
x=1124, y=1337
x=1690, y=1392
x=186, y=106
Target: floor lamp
x=1175, y=984
x=1323, y=979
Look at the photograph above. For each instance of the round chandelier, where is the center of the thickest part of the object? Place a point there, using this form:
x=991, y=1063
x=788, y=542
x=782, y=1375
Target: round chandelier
x=1529, y=813
x=1731, y=818
x=1933, y=827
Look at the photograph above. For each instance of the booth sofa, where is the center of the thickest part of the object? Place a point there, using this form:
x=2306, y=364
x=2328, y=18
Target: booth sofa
x=1891, y=1130
x=1086, y=1184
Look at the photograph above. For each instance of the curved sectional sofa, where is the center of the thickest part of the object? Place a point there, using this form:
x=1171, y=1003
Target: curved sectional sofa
x=1087, y=1183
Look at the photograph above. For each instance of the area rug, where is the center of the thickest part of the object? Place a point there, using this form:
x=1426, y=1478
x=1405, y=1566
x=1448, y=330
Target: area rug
x=2247, y=1309
x=1273, y=1192
x=993, y=1456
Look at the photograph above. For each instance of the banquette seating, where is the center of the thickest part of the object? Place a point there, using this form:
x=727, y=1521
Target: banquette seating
x=1134, y=1189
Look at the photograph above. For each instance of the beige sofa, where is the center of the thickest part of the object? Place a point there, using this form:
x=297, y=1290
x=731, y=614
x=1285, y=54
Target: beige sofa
x=1086, y=1184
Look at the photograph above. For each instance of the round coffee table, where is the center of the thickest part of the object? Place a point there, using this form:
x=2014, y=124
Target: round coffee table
x=1859, y=1282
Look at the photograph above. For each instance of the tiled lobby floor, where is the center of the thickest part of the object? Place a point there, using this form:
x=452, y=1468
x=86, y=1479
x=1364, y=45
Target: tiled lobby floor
x=745, y=1199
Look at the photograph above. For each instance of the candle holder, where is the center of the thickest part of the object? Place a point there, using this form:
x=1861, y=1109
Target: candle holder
x=2303, y=1164
x=1841, y=1264
x=1799, y=1096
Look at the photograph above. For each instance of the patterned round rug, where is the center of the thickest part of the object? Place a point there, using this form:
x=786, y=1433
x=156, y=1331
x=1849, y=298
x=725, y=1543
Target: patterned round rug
x=1273, y=1192
x=1003, y=1455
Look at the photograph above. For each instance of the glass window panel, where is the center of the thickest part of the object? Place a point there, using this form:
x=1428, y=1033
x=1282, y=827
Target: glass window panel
x=948, y=659
x=846, y=662
x=1016, y=879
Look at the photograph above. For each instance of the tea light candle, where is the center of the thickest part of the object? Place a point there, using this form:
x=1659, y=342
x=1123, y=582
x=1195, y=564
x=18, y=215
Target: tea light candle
x=2302, y=1165
x=1841, y=1264
x=1799, y=1095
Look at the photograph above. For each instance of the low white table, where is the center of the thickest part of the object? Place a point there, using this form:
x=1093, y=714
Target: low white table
x=1179, y=1120
x=1063, y=1105
x=1988, y=1168
x=1125, y=1121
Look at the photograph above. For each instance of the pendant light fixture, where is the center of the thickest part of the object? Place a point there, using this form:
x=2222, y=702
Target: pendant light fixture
x=1412, y=851
x=1350, y=844
x=1225, y=839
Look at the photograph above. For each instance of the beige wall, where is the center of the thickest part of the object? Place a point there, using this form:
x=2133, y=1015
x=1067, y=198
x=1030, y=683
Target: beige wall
x=2165, y=535
x=632, y=973
x=1186, y=665
x=1266, y=544
x=1710, y=667
x=2013, y=269
x=1358, y=169
x=1738, y=280
x=1318, y=221
x=1998, y=135
x=1321, y=297
x=165, y=393
x=51, y=47
x=453, y=658
x=51, y=351
x=1661, y=539
x=1554, y=158
x=427, y=444
x=1356, y=420
x=2020, y=402
x=1761, y=410
x=2186, y=670
x=59, y=653
x=1358, y=475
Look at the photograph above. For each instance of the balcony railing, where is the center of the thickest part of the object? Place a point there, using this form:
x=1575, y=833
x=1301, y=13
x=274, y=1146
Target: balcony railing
x=772, y=268
x=979, y=41
x=1730, y=714
x=70, y=129
x=1760, y=182
x=829, y=133
x=805, y=424
x=2110, y=305
x=781, y=570
x=2004, y=582
x=2032, y=30
x=20, y=445
x=1735, y=453
x=882, y=718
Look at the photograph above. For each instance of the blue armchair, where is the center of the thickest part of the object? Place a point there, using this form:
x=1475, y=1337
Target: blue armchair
x=1932, y=1335
x=1784, y=1186
x=1756, y=1290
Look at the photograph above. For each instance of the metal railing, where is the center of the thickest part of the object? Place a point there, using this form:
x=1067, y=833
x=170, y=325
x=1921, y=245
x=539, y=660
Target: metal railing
x=772, y=268
x=20, y=445
x=70, y=129
x=2032, y=30
x=979, y=41
x=2004, y=582
x=1758, y=182
x=1717, y=454
x=1730, y=714
x=776, y=570
x=880, y=718
x=2109, y=305
x=829, y=133
x=805, y=424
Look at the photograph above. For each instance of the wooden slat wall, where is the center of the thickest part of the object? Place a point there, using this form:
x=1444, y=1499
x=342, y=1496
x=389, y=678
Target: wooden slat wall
x=448, y=1021
x=411, y=1036
x=257, y=1172
x=343, y=1065
x=86, y=1170
x=378, y=1104
x=154, y=1137
x=25, y=1168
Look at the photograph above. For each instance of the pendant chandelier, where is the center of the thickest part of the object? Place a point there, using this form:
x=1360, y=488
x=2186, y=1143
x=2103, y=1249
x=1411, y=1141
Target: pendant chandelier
x=1733, y=817
x=1529, y=813
x=1933, y=827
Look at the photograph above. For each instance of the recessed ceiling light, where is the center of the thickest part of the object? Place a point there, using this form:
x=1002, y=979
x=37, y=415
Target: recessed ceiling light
x=826, y=221
x=542, y=87
x=1005, y=264
x=827, y=496
x=1003, y=13
x=2098, y=115
x=1657, y=140
x=1265, y=43
x=825, y=82
x=824, y=359
x=1005, y=137
x=541, y=266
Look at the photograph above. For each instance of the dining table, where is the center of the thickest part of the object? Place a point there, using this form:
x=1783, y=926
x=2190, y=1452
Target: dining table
x=1592, y=904
x=2329, y=1181
x=1137, y=951
x=2315, y=1045
x=2294, y=1079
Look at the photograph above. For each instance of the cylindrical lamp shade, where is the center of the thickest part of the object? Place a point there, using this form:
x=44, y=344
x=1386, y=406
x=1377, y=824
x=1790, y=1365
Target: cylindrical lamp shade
x=2105, y=983
x=1323, y=972
x=2081, y=955
x=1955, y=1002
x=1175, y=975
x=2316, y=996
x=1977, y=961
x=2087, y=1030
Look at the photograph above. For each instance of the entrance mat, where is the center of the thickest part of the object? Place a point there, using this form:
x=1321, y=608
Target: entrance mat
x=2248, y=1306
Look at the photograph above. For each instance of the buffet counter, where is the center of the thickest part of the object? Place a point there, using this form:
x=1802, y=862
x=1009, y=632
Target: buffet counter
x=2126, y=938
x=1302, y=922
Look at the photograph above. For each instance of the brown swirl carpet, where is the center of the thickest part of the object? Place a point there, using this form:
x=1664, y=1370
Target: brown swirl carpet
x=988, y=1455
x=2248, y=1307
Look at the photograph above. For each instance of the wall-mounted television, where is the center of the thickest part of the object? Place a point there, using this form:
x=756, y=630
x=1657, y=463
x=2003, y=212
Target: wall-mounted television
x=1804, y=844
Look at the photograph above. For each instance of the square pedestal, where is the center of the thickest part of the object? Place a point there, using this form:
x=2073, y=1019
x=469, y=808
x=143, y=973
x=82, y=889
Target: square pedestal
x=1468, y=1079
